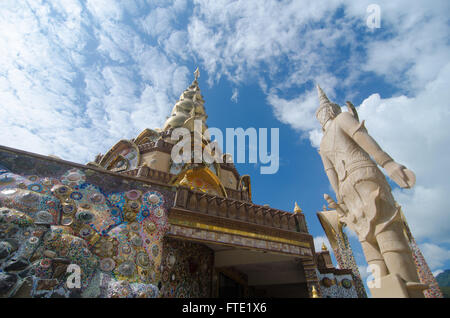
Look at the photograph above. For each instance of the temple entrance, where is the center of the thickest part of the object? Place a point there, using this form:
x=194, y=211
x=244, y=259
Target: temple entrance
x=219, y=270
x=249, y=273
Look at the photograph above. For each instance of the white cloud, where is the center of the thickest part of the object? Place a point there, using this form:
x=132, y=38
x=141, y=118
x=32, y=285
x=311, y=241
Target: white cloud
x=234, y=96
x=437, y=272
x=435, y=255
x=104, y=10
x=419, y=48
x=74, y=80
x=244, y=36
x=158, y=22
x=297, y=112
x=315, y=136
x=176, y=44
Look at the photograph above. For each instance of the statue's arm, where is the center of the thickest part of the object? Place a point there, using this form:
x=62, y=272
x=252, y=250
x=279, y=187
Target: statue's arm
x=359, y=134
x=331, y=173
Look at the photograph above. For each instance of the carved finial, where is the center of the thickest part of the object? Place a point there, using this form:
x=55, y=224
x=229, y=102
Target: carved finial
x=184, y=182
x=324, y=102
x=315, y=294
x=323, y=99
x=297, y=209
x=197, y=73
x=352, y=110
x=324, y=247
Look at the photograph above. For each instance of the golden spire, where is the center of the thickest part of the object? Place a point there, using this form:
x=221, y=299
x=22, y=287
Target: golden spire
x=197, y=73
x=315, y=294
x=188, y=108
x=297, y=209
x=324, y=247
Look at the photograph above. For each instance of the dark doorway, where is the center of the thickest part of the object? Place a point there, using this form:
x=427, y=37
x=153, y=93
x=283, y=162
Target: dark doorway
x=229, y=288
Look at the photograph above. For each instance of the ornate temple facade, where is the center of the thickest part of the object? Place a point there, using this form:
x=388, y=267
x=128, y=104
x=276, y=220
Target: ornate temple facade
x=136, y=224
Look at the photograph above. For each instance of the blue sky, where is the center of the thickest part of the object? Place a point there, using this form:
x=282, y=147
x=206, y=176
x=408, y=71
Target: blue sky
x=77, y=76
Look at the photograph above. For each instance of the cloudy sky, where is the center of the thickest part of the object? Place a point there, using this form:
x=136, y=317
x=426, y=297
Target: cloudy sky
x=77, y=76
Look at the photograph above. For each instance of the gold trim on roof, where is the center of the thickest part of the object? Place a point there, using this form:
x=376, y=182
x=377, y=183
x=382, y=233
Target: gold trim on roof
x=220, y=229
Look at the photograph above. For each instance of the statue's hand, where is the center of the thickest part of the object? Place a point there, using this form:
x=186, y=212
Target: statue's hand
x=331, y=203
x=400, y=174
x=339, y=207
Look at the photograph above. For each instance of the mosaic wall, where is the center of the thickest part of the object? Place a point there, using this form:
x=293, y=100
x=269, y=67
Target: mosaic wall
x=336, y=286
x=346, y=260
x=425, y=274
x=423, y=271
x=53, y=215
x=186, y=269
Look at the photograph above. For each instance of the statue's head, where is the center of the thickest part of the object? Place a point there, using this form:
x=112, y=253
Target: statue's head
x=327, y=110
